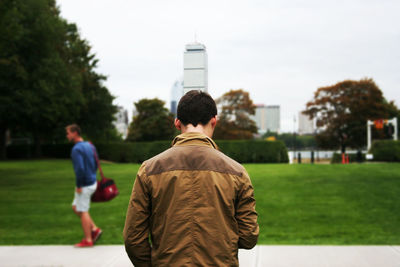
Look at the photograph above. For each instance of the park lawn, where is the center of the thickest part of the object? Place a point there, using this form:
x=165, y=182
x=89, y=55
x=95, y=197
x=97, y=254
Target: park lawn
x=297, y=204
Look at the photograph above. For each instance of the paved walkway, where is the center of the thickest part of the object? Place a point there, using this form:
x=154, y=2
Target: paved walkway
x=275, y=256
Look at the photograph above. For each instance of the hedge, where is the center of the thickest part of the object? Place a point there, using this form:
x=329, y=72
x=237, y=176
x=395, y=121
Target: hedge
x=131, y=152
x=386, y=150
x=243, y=151
x=49, y=150
x=255, y=151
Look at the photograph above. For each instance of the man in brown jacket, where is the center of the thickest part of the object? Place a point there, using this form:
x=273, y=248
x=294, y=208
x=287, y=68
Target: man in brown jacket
x=191, y=205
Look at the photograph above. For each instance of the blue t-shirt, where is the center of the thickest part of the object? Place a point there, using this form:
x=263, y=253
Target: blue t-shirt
x=84, y=162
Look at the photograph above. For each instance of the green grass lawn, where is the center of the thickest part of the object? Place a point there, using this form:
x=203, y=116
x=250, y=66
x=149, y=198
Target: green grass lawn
x=297, y=204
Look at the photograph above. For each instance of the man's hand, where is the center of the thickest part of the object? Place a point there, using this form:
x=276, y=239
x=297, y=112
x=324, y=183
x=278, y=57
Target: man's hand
x=79, y=190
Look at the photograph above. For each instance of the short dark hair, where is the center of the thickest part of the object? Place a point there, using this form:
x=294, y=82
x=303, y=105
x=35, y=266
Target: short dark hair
x=74, y=128
x=196, y=107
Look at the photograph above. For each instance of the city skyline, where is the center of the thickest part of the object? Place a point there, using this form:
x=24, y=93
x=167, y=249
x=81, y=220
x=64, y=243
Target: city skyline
x=278, y=51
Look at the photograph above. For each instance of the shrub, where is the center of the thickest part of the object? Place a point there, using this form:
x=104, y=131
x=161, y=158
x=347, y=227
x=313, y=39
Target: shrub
x=255, y=151
x=131, y=152
x=386, y=150
x=243, y=151
x=24, y=151
x=57, y=151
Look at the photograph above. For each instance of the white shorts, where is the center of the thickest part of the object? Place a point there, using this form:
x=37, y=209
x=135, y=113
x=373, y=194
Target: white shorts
x=82, y=200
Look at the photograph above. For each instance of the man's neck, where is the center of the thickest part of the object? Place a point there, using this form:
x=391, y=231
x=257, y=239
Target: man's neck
x=197, y=129
x=78, y=139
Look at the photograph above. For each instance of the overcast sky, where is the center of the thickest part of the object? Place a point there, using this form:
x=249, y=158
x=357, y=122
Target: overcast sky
x=280, y=51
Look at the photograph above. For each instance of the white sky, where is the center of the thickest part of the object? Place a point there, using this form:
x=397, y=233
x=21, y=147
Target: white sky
x=280, y=51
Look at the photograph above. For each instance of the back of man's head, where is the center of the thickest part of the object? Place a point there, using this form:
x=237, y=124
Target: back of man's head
x=196, y=107
x=74, y=128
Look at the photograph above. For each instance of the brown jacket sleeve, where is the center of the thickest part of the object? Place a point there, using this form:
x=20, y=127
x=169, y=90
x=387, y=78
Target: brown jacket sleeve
x=136, y=230
x=246, y=215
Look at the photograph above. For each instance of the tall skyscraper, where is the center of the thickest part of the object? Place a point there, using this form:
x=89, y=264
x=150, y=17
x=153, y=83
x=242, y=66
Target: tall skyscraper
x=176, y=94
x=267, y=118
x=306, y=126
x=195, y=68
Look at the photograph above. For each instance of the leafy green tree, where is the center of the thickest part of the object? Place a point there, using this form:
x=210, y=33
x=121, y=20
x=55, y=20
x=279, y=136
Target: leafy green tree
x=152, y=122
x=44, y=85
x=97, y=111
x=13, y=74
x=234, y=122
x=342, y=111
x=47, y=76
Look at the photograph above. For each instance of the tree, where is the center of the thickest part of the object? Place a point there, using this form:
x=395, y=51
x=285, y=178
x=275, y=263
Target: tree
x=152, y=122
x=44, y=86
x=47, y=76
x=342, y=111
x=234, y=122
x=97, y=111
x=13, y=75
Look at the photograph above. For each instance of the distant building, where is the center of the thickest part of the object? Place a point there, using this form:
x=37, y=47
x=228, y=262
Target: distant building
x=121, y=121
x=195, y=68
x=267, y=118
x=273, y=119
x=306, y=126
x=176, y=94
x=260, y=117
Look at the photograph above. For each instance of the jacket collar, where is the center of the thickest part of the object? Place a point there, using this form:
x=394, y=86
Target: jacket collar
x=194, y=139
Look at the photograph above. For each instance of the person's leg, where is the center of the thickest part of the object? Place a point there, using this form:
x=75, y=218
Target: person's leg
x=75, y=203
x=80, y=206
x=87, y=225
x=75, y=211
x=86, y=222
x=96, y=231
x=93, y=226
x=90, y=229
x=90, y=191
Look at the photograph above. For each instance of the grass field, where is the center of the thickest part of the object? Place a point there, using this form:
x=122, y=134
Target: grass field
x=297, y=204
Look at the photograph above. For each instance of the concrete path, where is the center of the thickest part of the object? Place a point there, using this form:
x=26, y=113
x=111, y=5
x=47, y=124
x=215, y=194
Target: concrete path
x=274, y=256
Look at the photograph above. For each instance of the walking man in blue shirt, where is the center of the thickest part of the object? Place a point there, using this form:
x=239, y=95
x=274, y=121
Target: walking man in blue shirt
x=85, y=167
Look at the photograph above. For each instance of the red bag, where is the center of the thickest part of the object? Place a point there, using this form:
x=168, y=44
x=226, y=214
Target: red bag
x=106, y=188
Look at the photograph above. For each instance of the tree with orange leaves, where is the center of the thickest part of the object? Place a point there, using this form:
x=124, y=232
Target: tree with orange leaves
x=342, y=110
x=234, y=110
